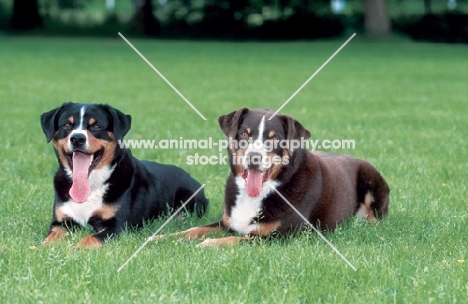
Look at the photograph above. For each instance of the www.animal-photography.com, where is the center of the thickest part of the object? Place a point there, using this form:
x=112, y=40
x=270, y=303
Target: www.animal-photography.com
x=234, y=152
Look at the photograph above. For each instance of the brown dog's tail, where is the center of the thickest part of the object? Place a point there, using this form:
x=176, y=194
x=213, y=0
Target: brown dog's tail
x=373, y=191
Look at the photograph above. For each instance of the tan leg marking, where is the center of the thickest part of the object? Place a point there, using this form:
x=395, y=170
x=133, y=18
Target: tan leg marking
x=89, y=242
x=265, y=229
x=226, y=241
x=106, y=212
x=197, y=232
x=56, y=234
x=189, y=234
x=365, y=210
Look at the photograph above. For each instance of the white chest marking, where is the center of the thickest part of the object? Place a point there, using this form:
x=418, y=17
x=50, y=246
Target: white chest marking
x=82, y=212
x=247, y=208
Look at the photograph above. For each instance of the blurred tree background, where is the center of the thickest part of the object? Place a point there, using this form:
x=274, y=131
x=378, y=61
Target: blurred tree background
x=435, y=20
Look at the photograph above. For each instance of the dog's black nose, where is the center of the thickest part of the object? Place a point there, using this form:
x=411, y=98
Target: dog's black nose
x=78, y=139
x=254, y=160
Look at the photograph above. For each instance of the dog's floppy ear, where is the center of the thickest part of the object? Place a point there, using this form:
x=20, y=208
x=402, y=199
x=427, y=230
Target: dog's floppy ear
x=294, y=130
x=49, y=121
x=229, y=123
x=121, y=123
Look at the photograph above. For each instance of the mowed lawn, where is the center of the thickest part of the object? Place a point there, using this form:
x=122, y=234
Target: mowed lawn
x=404, y=104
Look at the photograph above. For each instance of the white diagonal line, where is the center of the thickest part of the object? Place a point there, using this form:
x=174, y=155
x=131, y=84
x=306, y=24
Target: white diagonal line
x=160, y=228
x=315, y=229
x=310, y=78
x=162, y=76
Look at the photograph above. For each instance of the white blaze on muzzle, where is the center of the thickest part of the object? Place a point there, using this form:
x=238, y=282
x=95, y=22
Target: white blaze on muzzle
x=81, y=163
x=255, y=168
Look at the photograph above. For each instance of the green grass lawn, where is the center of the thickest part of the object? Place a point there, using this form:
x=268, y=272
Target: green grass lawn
x=404, y=104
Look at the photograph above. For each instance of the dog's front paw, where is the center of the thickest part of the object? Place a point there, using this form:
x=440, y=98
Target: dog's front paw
x=207, y=243
x=89, y=242
x=227, y=241
x=157, y=237
x=190, y=234
x=56, y=234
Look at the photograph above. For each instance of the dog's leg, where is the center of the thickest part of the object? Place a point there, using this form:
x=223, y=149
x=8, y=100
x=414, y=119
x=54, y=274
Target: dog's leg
x=96, y=240
x=226, y=241
x=58, y=230
x=263, y=230
x=195, y=232
x=55, y=235
x=90, y=242
x=107, y=229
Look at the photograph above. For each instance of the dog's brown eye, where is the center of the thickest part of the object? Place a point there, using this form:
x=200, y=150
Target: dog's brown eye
x=96, y=127
x=67, y=126
x=244, y=135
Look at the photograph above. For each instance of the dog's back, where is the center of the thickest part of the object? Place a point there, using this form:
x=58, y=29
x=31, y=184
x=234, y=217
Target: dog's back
x=179, y=185
x=349, y=186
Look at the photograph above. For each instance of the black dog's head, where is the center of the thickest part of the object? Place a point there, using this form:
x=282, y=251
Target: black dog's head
x=259, y=147
x=85, y=137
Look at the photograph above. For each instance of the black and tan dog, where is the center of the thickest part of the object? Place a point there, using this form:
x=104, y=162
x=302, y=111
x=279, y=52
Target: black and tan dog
x=99, y=183
x=326, y=188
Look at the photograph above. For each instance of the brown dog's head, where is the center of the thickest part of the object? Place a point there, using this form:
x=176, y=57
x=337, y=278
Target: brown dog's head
x=85, y=139
x=260, y=147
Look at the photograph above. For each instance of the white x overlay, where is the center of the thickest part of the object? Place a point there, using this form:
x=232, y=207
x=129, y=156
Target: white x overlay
x=202, y=186
x=160, y=228
x=313, y=75
x=162, y=76
x=315, y=229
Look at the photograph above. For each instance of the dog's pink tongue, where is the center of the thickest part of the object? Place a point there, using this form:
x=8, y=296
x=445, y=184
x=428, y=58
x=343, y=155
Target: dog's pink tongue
x=254, y=182
x=80, y=189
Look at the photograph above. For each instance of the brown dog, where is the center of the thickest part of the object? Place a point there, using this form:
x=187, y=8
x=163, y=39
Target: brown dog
x=325, y=188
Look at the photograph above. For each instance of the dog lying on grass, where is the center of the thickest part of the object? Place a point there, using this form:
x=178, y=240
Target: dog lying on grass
x=326, y=188
x=102, y=185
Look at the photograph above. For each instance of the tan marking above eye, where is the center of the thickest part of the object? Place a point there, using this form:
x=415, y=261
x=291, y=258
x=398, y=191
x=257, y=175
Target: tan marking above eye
x=71, y=119
x=271, y=134
x=248, y=130
x=92, y=121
